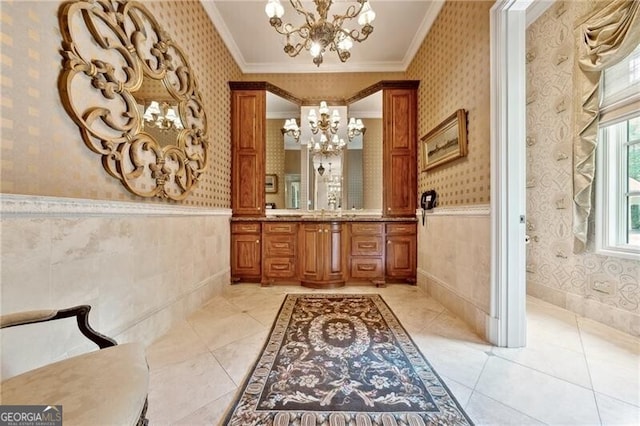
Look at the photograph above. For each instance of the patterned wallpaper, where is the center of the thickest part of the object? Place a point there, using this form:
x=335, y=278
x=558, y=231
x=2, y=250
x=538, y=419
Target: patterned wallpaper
x=453, y=66
x=42, y=152
x=554, y=273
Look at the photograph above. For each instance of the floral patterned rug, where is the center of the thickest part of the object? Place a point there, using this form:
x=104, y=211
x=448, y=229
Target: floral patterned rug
x=342, y=359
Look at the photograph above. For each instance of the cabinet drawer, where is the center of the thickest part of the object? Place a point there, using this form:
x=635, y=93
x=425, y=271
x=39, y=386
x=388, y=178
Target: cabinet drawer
x=401, y=228
x=279, y=245
x=245, y=228
x=364, y=245
x=367, y=228
x=366, y=268
x=280, y=228
x=280, y=268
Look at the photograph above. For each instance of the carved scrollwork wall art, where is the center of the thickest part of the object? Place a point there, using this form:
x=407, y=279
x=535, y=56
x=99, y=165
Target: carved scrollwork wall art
x=131, y=91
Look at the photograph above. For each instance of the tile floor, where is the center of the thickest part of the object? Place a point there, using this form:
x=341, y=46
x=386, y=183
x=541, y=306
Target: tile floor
x=573, y=371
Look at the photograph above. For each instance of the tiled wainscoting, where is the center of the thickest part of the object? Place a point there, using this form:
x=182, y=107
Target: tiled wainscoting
x=454, y=261
x=141, y=266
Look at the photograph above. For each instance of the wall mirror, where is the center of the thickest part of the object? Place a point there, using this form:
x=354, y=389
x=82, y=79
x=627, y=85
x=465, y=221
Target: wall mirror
x=135, y=98
x=365, y=160
x=312, y=178
x=283, y=154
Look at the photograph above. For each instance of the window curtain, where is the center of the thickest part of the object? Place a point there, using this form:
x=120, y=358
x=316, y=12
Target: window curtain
x=604, y=39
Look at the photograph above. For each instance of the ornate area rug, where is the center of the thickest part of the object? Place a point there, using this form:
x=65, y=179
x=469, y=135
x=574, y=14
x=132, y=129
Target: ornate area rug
x=342, y=360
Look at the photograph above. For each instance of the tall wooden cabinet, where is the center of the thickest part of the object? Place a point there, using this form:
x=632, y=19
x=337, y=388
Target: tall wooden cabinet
x=400, y=142
x=248, y=134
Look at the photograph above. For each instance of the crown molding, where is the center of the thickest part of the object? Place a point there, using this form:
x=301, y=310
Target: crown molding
x=31, y=205
x=225, y=34
x=429, y=18
x=307, y=68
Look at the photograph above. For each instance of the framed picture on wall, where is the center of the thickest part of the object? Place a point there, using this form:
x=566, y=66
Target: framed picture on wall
x=271, y=184
x=446, y=142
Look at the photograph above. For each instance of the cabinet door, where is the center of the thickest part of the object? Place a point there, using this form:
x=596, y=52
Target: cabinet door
x=248, y=116
x=333, y=252
x=311, y=252
x=399, y=147
x=245, y=256
x=401, y=257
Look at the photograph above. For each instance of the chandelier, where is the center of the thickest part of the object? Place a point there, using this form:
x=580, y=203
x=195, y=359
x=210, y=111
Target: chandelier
x=327, y=126
x=162, y=116
x=317, y=34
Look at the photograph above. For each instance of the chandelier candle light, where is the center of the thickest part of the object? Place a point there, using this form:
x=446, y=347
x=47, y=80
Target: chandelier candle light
x=317, y=34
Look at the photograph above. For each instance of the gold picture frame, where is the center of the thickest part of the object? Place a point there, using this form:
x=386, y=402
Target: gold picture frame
x=271, y=184
x=446, y=142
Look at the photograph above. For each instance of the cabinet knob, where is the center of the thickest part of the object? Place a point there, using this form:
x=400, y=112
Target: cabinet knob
x=258, y=208
x=257, y=241
x=388, y=241
x=388, y=209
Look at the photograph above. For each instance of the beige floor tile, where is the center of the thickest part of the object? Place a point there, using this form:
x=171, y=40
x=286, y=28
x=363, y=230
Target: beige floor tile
x=486, y=411
x=536, y=394
x=461, y=392
x=211, y=414
x=616, y=412
x=551, y=359
x=238, y=357
x=453, y=359
x=179, y=389
x=217, y=333
x=217, y=307
x=179, y=344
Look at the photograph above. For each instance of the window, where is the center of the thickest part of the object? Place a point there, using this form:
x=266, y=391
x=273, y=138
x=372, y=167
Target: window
x=618, y=161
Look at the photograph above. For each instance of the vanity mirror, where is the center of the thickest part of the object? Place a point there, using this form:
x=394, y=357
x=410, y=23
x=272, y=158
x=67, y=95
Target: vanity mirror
x=338, y=169
x=131, y=91
x=283, y=153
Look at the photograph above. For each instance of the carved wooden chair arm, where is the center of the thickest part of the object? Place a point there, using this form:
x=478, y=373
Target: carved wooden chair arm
x=81, y=313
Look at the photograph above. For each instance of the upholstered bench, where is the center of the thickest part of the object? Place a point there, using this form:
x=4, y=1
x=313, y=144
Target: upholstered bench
x=104, y=387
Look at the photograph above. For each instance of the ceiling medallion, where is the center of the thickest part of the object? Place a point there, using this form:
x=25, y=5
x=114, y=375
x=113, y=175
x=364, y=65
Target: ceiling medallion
x=317, y=34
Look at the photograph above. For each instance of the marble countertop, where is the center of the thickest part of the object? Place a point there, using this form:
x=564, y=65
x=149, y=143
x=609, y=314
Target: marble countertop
x=323, y=218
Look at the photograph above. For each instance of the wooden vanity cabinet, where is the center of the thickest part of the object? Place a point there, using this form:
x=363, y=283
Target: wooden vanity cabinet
x=401, y=252
x=280, y=243
x=246, y=252
x=366, y=252
x=322, y=255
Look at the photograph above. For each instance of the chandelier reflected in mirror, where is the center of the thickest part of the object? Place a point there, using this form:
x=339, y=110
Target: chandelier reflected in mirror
x=317, y=34
x=325, y=126
x=162, y=116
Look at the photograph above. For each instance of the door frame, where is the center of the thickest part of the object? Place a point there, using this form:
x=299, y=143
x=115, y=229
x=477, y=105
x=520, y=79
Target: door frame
x=509, y=19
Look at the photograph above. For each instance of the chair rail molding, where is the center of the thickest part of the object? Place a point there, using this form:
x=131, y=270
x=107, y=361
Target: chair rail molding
x=30, y=205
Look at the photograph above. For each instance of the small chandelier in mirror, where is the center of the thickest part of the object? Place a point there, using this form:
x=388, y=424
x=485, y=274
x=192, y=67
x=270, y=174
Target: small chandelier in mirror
x=326, y=127
x=162, y=116
x=318, y=34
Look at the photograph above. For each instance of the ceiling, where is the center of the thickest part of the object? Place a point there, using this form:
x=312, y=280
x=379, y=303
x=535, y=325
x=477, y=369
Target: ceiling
x=399, y=29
